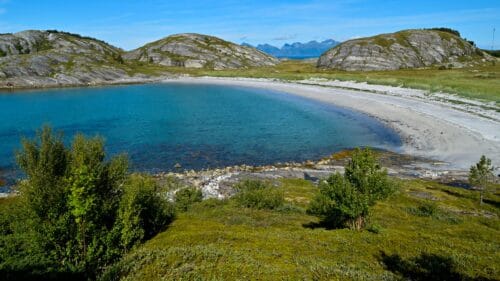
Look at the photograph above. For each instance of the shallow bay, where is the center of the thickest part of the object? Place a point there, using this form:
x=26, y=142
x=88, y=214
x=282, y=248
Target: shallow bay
x=197, y=126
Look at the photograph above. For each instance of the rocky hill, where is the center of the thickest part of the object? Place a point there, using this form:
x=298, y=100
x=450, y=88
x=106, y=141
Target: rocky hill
x=403, y=49
x=53, y=58
x=198, y=51
x=50, y=58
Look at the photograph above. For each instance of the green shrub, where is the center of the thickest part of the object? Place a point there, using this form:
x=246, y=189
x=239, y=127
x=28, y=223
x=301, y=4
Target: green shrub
x=345, y=200
x=142, y=212
x=77, y=211
x=425, y=209
x=185, y=197
x=428, y=209
x=375, y=228
x=258, y=195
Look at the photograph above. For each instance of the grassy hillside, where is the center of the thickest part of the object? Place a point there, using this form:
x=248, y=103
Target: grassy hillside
x=480, y=82
x=427, y=231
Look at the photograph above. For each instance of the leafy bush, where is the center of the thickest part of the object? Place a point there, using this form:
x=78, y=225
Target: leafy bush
x=142, y=212
x=185, y=197
x=258, y=195
x=77, y=212
x=345, y=200
x=375, y=228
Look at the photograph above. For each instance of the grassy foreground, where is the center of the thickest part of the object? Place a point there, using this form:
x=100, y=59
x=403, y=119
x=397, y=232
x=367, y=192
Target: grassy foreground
x=427, y=231
x=480, y=82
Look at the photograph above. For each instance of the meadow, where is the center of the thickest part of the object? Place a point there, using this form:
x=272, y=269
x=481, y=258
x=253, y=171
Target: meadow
x=426, y=231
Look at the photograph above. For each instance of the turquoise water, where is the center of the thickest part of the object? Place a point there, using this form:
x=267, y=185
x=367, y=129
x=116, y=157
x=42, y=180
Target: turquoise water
x=198, y=126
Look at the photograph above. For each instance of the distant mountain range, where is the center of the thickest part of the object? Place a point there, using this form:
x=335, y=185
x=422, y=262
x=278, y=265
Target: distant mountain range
x=310, y=49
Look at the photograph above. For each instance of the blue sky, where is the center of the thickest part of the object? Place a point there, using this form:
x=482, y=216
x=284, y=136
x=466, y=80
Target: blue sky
x=129, y=24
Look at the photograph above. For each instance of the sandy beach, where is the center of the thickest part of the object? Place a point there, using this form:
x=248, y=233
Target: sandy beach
x=449, y=132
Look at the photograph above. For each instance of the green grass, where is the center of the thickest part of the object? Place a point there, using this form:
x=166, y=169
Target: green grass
x=480, y=82
x=216, y=240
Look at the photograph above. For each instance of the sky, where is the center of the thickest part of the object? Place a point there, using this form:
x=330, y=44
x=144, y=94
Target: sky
x=130, y=24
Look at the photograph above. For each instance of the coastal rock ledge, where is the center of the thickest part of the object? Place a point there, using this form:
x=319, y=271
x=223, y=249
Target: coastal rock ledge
x=403, y=49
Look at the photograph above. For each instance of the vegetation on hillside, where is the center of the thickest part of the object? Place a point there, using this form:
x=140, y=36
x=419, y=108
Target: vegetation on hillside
x=426, y=231
x=54, y=31
x=446, y=29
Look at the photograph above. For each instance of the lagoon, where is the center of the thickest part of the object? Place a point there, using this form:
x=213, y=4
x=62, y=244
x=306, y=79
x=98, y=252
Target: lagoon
x=198, y=126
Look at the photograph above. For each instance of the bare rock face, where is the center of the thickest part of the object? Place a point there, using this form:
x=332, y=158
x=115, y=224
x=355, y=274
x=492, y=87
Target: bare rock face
x=400, y=50
x=200, y=51
x=50, y=58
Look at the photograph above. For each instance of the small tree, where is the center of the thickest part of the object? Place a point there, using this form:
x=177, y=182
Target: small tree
x=345, y=200
x=480, y=174
x=80, y=210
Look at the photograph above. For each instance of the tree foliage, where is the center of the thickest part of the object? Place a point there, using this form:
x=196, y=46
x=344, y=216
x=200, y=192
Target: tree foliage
x=142, y=212
x=480, y=175
x=78, y=212
x=345, y=200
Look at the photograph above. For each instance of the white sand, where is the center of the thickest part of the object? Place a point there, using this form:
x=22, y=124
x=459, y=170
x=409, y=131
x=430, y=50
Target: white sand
x=428, y=127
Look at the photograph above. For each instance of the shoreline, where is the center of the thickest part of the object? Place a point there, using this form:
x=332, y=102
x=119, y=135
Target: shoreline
x=442, y=139
x=440, y=126
x=428, y=128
